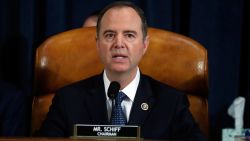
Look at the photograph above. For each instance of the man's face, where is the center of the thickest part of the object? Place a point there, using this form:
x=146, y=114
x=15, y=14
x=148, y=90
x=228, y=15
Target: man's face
x=120, y=43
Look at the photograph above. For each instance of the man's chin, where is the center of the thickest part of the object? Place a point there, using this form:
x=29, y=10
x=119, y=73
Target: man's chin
x=119, y=70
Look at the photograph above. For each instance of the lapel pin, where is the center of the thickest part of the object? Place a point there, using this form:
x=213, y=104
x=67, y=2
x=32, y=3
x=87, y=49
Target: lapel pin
x=144, y=106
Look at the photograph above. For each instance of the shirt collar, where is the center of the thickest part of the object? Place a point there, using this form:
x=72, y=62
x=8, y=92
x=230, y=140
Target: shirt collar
x=129, y=90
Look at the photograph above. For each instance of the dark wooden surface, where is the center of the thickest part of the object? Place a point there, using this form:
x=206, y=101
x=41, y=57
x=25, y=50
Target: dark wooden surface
x=67, y=139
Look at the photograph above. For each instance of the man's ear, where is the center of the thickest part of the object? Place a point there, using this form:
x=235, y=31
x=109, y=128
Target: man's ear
x=146, y=44
x=97, y=43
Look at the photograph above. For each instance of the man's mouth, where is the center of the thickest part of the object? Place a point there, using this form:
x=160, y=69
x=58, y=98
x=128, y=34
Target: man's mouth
x=119, y=56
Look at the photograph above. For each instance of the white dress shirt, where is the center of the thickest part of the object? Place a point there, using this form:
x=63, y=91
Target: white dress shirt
x=129, y=90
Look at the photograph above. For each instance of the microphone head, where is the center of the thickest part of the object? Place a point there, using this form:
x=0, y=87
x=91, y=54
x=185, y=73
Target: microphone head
x=113, y=89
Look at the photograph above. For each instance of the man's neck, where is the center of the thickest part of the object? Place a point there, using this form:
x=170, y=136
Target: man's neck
x=124, y=78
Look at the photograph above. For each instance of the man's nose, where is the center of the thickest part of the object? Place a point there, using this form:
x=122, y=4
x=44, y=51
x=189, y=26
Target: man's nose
x=119, y=41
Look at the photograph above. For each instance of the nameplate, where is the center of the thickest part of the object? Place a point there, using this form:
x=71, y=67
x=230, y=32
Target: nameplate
x=87, y=130
x=229, y=134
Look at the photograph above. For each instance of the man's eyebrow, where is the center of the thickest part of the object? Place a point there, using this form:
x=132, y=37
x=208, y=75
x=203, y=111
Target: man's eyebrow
x=126, y=31
x=108, y=30
x=130, y=31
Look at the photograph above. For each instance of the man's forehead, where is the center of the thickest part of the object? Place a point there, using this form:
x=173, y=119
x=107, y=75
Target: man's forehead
x=121, y=10
x=120, y=19
x=125, y=16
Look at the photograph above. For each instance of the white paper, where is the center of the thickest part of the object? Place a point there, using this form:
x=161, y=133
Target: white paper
x=236, y=110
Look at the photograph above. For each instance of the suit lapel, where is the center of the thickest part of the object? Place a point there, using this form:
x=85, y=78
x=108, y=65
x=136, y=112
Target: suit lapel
x=143, y=97
x=96, y=101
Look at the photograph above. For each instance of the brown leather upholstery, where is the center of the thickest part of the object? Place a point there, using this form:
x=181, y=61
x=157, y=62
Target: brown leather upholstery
x=171, y=58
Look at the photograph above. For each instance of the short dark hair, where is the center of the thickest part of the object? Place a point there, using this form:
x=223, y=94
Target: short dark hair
x=138, y=10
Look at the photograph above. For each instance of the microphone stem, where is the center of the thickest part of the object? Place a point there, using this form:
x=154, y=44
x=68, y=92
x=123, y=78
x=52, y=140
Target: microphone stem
x=113, y=104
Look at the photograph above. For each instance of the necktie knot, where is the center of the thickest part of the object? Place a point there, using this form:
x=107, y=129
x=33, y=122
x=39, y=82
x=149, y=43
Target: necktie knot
x=120, y=97
x=117, y=115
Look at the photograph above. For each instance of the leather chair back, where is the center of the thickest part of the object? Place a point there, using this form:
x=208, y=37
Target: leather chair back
x=171, y=58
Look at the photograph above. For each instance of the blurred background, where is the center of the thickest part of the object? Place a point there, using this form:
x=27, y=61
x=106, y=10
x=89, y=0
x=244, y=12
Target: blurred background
x=220, y=25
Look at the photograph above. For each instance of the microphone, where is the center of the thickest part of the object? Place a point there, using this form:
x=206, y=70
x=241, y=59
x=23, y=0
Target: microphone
x=113, y=90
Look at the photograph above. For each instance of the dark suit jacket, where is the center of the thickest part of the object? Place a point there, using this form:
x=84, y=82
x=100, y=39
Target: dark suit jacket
x=13, y=111
x=84, y=102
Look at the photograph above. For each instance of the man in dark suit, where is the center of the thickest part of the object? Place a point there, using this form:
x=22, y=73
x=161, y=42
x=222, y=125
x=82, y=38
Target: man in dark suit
x=13, y=111
x=122, y=40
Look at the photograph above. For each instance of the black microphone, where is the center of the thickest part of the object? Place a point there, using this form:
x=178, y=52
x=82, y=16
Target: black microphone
x=113, y=90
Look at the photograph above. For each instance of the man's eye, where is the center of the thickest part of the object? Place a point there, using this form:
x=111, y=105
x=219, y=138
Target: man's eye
x=130, y=37
x=109, y=36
